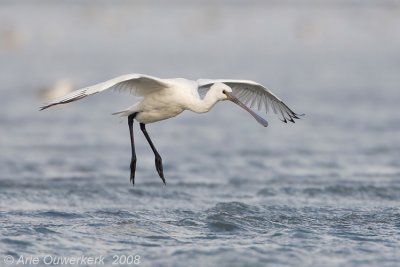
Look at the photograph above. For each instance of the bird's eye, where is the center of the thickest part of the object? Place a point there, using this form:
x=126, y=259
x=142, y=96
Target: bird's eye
x=223, y=91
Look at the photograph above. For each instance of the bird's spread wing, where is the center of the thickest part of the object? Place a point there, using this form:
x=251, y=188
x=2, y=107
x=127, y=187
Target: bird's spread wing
x=254, y=95
x=137, y=84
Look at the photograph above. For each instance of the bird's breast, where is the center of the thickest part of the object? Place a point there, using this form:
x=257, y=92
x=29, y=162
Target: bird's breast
x=159, y=107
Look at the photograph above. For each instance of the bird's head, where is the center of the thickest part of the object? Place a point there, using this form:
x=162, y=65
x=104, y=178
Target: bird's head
x=221, y=91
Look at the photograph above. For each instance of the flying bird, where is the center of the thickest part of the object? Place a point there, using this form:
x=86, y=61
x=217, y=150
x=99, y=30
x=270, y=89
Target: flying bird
x=166, y=98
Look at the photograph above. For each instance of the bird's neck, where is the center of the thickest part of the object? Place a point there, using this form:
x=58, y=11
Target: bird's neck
x=205, y=104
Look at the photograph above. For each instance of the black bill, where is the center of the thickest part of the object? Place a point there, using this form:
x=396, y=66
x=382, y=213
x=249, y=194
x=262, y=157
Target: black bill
x=240, y=104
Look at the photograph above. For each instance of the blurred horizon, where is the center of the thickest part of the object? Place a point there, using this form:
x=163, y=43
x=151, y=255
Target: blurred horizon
x=223, y=2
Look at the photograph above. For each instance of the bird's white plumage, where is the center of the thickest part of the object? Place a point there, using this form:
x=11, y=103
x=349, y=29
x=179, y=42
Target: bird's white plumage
x=166, y=98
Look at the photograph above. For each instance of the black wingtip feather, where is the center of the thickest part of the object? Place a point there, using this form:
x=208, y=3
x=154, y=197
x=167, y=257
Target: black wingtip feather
x=296, y=116
x=63, y=102
x=45, y=107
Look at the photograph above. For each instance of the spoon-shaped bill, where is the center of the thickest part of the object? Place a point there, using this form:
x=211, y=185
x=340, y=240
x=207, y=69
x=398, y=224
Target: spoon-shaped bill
x=232, y=98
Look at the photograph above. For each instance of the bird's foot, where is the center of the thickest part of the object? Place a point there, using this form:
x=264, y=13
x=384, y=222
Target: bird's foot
x=133, y=170
x=159, y=168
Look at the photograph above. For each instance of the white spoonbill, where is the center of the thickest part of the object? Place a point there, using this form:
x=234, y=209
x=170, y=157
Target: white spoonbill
x=166, y=98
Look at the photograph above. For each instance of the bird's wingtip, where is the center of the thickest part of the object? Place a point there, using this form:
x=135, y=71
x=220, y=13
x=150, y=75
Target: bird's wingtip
x=300, y=115
x=46, y=106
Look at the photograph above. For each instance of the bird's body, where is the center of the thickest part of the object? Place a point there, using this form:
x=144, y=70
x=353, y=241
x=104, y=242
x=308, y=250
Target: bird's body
x=166, y=98
x=165, y=103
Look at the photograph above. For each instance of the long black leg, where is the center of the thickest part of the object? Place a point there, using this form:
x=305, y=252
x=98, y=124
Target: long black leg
x=159, y=166
x=133, y=159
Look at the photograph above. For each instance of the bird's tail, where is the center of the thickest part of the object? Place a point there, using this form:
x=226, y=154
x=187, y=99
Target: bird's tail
x=122, y=113
x=128, y=111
